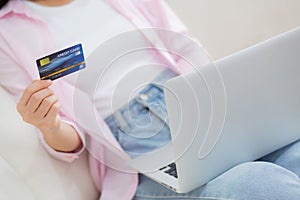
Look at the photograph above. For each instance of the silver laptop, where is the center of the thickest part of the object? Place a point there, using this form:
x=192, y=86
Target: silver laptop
x=239, y=110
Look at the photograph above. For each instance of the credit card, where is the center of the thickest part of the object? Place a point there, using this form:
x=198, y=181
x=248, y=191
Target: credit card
x=61, y=63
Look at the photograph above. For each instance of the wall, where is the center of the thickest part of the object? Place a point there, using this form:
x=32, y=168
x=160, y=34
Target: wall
x=226, y=26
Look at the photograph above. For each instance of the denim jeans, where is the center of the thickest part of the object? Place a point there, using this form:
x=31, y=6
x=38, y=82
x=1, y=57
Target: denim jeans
x=142, y=126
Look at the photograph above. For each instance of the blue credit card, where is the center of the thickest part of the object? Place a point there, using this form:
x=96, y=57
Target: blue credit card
x=61, y=63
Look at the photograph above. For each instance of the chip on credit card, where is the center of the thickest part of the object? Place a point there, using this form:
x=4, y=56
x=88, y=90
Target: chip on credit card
x=61, y=63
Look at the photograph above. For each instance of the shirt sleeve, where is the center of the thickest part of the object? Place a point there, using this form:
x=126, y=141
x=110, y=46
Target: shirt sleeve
x=12, y=78
x=67, y=157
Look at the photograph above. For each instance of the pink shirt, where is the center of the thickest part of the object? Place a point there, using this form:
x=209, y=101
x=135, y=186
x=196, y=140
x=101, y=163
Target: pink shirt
x=24, y=37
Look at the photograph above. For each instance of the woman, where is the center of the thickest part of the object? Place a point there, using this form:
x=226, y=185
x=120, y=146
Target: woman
x=32, y=29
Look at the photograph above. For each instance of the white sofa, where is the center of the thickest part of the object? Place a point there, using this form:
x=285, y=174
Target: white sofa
x=28, y=172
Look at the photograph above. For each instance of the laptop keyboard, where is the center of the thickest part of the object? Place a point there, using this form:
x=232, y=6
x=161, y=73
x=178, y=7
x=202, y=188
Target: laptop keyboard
x=170, y=169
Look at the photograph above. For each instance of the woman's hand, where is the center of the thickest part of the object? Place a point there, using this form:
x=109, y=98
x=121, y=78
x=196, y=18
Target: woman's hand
x=39, y=106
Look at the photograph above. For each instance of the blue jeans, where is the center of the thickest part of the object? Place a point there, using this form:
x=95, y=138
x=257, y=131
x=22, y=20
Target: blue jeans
x=142, y=126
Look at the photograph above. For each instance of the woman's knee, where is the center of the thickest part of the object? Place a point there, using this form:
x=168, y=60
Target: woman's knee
x=290, y=158
x=257, y=180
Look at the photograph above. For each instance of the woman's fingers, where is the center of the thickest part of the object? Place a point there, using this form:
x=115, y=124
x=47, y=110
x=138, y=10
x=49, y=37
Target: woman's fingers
x=39, y=106
x=45, y=107
x=51, y=118
x=34, y=87
x=36, y=99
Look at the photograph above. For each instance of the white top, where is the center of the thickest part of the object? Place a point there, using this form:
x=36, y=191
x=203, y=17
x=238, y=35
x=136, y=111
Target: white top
x=92, y=22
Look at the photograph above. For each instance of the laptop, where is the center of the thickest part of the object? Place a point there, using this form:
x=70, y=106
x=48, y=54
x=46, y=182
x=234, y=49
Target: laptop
x=242, y=108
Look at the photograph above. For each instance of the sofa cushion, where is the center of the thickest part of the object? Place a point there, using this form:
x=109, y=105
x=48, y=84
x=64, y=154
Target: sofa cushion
x=11, y=185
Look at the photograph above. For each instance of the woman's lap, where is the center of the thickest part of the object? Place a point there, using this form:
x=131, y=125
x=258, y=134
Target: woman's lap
x=247, y=181
x=142, y=127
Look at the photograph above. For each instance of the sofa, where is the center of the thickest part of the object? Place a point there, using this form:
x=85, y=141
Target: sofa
x=28, y=172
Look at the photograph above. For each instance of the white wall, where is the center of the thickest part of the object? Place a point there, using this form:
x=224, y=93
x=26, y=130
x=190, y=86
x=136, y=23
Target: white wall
x=226, y=26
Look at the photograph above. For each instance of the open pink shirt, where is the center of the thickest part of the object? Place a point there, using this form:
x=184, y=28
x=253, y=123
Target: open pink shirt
x=24, y=37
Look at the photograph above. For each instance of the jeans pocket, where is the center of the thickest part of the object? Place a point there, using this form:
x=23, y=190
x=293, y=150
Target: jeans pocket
x=154, y=100
x=132, y=117
x=142, y=124
x=138, y=121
